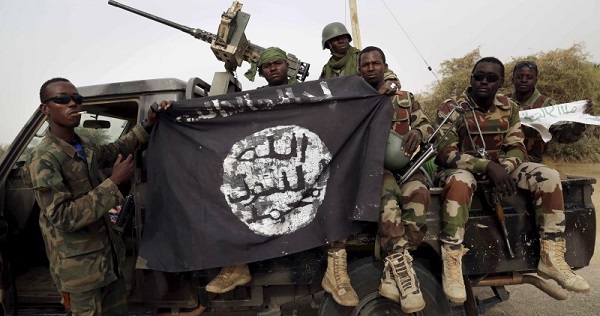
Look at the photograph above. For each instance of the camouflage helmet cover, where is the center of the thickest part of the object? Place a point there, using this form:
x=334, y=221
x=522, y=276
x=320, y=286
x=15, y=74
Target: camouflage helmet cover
x=332, y=30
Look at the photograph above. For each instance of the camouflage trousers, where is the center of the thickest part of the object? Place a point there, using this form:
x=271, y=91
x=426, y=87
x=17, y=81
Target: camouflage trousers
x=107, y=300
x=402, y=221
x=542, y=182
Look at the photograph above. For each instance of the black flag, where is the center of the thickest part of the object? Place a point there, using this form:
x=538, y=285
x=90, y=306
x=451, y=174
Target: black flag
x=249, y=176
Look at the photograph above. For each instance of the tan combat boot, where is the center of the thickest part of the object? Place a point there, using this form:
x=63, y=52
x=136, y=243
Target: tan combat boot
x=404, y=279
x=388, y=287
x=552, y=265
x=336, y=281
x=229, y=278
x=452, y=277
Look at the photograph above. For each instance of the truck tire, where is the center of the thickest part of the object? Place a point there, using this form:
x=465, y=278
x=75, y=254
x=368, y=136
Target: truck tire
x=365, y=275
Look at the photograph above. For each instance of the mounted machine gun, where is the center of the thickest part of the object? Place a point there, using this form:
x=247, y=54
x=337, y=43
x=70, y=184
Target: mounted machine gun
x=229, y=44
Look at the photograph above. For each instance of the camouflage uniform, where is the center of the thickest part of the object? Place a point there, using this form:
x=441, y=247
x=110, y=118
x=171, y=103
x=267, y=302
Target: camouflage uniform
x=563, y=133
x=503, y=140
x=403, y=208
x=85, y=253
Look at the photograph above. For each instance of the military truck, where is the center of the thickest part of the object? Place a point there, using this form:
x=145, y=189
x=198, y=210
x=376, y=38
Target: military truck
x=288, y=285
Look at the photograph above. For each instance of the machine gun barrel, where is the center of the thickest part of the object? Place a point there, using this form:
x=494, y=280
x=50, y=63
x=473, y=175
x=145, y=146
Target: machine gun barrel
x=197, y=33
x=230, y=46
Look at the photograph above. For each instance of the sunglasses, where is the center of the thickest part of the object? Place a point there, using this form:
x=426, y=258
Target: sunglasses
x=529, y=64
x=65, y=99
x=488, y=77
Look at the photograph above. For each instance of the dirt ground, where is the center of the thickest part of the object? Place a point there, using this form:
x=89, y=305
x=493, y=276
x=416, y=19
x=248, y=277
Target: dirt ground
x=526, y=300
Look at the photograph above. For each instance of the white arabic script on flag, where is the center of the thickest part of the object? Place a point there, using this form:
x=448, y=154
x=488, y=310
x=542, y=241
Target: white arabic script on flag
x=542, y=118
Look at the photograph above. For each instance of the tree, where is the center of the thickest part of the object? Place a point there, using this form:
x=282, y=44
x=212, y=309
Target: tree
x=564, y=74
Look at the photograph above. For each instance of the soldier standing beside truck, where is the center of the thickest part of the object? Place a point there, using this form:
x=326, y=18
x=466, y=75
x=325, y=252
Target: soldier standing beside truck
x=488, y=144
x=402, y=222
x=86, y=255
x=527, y=96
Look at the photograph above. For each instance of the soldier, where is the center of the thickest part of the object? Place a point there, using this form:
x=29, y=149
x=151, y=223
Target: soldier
x=491, y=147
x=85, y=253
x=344, y=57
x=527, y=96
x=402, y=222
x=273, y=66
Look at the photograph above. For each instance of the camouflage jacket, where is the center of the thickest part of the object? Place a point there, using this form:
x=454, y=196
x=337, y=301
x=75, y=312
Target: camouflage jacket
x=501, y=130
x=408, y=110
x=74, y=199
x=563, y=133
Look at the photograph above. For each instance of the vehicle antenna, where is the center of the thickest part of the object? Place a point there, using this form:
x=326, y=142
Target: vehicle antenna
x=413, y=44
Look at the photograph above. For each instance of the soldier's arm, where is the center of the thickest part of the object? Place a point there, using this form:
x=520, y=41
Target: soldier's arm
x=418, y=120
x=513, y=146
x=65, y=211
x=449, y=154
x=125, y=145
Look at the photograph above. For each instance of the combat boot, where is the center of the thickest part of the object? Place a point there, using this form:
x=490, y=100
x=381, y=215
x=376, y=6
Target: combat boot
x=229, y=278
x=452, y=277
x=404, y=277
x=552, y=265
x=388, y=287
x=336, y=281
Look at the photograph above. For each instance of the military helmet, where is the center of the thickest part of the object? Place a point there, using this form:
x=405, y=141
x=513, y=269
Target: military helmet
x=395, y=159
x=332, y=30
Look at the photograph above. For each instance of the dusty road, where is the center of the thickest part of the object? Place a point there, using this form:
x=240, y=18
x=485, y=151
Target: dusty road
x=527, y=300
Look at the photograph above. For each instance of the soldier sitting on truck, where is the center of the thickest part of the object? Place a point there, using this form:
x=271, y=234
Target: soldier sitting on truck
x=527, y=96
x=487, y=144
x=85, y=253
x=402, y=221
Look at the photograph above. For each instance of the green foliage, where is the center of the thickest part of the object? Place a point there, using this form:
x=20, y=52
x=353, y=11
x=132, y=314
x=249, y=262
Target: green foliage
x=564, y=74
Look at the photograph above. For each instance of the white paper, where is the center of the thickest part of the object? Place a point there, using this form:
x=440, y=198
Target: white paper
x=542, y=118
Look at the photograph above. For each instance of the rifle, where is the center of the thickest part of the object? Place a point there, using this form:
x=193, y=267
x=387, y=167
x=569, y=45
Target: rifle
x=125, y=219
x=497, y=200
x=229, y=44
x=428, y=149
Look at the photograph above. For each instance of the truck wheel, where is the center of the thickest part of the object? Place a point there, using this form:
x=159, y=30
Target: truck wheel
x=365, y=275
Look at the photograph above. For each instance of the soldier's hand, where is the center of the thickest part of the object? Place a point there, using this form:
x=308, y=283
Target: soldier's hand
x=501, y=180
x=152, y=116
x=122, y=169
x=389, y=88
x=411, y=141
x=589, y=108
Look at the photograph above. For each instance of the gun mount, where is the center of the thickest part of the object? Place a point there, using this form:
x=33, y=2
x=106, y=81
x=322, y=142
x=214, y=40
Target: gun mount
x=229, y=44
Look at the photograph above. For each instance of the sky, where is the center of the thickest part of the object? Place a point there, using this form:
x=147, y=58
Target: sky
x=91, y=42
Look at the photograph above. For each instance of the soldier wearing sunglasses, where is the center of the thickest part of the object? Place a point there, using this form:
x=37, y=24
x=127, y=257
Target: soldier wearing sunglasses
x=527, y=96
x=487, y=144
x=86, y=255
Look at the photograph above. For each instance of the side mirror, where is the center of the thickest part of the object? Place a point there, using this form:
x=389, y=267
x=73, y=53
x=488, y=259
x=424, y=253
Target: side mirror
x=96, y=124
